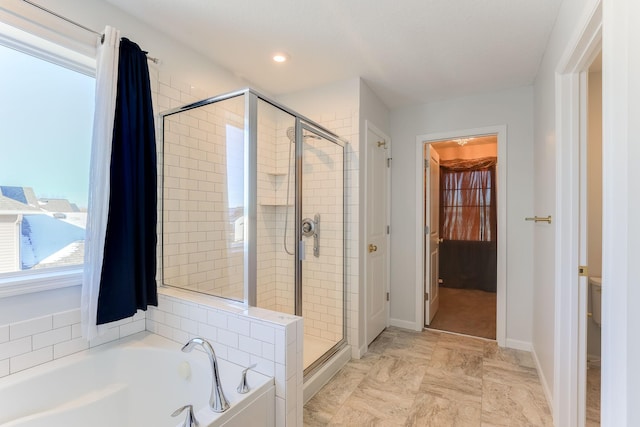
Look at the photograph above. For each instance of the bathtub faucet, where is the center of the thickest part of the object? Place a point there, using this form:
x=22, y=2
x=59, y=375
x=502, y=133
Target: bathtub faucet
x=217, y=401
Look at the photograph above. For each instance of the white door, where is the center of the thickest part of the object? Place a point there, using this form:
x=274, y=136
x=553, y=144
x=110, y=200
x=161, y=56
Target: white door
x=378, y=149
x=431, y=233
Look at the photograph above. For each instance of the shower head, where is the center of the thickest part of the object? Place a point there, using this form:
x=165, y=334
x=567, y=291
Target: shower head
x=291, y=134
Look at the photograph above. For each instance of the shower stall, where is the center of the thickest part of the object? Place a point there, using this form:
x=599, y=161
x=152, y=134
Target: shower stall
x=253, y=211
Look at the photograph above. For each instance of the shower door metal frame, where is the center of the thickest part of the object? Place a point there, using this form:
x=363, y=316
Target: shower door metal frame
x=302, y=125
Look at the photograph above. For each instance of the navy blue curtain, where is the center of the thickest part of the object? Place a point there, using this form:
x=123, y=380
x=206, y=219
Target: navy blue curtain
x=128, y=279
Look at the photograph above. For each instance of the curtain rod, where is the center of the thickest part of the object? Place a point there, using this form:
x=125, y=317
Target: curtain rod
x=64, y=18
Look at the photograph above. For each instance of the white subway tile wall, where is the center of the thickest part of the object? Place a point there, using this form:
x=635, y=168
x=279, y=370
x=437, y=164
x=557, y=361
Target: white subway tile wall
x=36, y=341
x=203, y=221
x=319, y=323
x=275, y=270
x=322, y=277
x=241, y=335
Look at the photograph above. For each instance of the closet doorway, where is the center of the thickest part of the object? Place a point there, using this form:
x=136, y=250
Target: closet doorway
x=460, y=247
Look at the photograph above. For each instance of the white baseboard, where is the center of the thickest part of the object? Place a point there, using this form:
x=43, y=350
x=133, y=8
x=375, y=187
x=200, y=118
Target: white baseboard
x=404, y=324
x=543, y=381
x=358, y=352
x=518, y=345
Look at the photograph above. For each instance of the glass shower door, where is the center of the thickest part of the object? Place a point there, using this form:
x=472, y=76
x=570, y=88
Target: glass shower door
x=275, y=214
x=322, y=245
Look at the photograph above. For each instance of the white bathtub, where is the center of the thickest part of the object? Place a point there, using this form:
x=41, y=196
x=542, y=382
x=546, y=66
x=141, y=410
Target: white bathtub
x=134, y=382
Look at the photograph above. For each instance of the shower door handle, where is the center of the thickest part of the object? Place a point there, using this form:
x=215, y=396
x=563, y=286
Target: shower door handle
x=316, y=238
x=311, y=228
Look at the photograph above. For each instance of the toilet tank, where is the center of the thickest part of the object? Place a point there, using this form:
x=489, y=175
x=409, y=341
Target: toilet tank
x=595, y=287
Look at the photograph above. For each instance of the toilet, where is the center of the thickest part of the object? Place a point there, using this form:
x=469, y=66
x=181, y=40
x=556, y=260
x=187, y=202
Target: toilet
x=595, y=287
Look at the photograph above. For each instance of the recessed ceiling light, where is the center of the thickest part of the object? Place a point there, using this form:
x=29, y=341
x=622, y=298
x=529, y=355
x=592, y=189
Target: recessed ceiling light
x=280, y=57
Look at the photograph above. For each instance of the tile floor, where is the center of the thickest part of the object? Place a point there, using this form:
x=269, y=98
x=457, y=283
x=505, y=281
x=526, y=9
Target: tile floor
x=593, y=396
x=432, y=378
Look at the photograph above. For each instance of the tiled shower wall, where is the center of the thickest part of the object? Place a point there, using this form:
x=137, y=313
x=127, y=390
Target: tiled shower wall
x=203, y=249
x=322, y=276
x=275, y=272
x=322, y=302
x=323, y=178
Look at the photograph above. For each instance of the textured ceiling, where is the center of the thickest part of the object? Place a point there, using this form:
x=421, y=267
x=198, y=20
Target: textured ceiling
x=408, y=51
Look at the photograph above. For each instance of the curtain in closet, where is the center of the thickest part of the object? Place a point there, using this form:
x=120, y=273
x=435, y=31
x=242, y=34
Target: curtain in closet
x=468, y=223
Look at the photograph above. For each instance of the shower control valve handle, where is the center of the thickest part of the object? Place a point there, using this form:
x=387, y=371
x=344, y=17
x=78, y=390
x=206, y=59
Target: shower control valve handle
x=244, y=387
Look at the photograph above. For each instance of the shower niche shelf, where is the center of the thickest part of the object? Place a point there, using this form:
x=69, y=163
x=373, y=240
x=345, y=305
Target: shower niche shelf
x=277, y=181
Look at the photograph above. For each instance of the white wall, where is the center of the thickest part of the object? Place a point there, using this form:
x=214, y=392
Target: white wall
x=544, y=324
x=513, y=108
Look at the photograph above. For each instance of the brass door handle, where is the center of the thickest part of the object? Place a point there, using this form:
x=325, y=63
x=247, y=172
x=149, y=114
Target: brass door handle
x=546, y=219
x=440, y=240
x=372, y=248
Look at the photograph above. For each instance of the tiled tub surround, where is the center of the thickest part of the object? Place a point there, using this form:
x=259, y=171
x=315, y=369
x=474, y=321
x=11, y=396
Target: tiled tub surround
x=40, y=340
x=239, y=335
x=109, y=385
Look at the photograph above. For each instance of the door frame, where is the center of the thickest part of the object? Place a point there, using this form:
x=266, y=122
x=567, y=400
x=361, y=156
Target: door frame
x=570, y=358
x=501, y=285
x=374, y=129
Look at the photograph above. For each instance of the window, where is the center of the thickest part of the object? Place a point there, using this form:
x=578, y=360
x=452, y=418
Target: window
x=235, y=182
x=46, y=120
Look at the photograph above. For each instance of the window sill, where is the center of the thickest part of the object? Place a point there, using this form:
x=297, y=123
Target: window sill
x=26, y=282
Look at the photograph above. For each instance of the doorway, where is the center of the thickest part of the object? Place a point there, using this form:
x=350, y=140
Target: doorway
x=471, y=303
x=460, y=216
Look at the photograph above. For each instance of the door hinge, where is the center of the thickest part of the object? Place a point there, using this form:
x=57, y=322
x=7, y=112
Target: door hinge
x=389, y=162
x=426, y=164
x=426, y=296
x=387, y=296
x=583, y=271
x=426, y=230
x=388, y=230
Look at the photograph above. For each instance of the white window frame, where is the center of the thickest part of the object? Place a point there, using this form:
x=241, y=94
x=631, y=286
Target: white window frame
x=24, y=282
